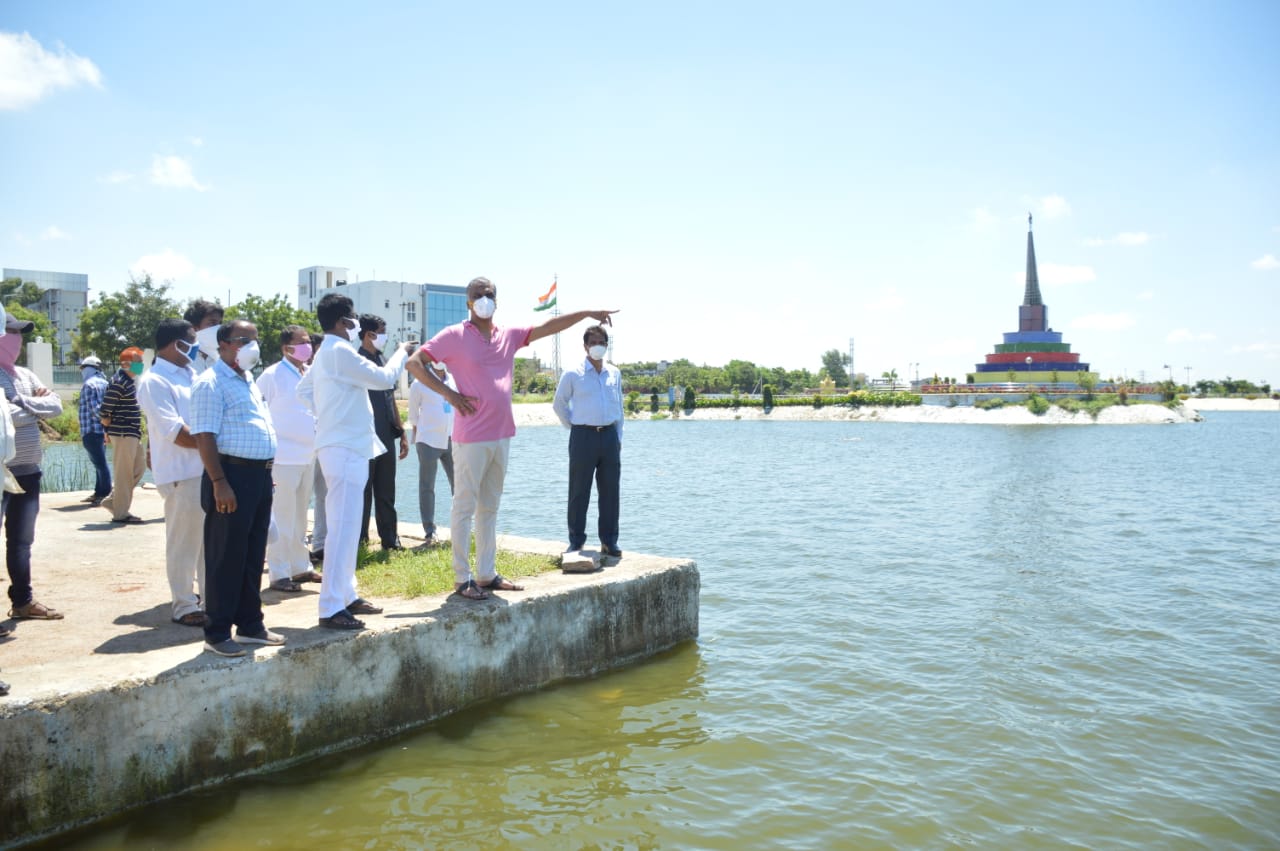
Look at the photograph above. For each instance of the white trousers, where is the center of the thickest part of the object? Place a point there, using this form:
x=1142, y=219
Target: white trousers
x=479, y=470
x=184, y=543
x=345, y=474
x=287, y=553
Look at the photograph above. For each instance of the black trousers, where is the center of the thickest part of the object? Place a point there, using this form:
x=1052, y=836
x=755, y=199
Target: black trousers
x=598, y=455
x=235, y=547
x=380, y=494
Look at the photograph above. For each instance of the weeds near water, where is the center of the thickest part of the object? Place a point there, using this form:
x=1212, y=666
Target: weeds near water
x=419, y=573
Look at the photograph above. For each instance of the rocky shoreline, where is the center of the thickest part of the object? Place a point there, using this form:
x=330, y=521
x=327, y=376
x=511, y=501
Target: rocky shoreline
x=540, y=414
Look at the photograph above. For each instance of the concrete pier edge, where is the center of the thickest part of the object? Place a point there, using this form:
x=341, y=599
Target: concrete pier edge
x=86, y=754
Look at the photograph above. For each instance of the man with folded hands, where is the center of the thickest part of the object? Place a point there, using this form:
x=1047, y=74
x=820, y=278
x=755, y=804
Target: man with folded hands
x=237, y=446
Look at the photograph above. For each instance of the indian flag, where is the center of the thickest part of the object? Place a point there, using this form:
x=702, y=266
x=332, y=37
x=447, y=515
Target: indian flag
x=548, y=300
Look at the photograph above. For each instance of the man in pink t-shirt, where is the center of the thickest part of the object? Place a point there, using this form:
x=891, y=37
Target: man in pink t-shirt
x=481, y=357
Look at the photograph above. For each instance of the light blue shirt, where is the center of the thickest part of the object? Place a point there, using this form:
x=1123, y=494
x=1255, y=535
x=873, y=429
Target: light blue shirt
x=228, y=405
x=587, y=397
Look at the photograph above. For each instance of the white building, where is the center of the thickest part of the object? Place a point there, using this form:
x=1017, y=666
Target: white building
x=411, y=311
x=66, y=295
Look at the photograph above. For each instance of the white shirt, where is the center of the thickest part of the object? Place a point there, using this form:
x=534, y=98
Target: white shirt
x=164, y=394
x=431, y=415
x=295, y=426
x=587, y=397
x=336, y=389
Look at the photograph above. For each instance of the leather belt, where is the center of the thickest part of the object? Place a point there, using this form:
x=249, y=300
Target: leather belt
x=595, y=428
x=247, y=462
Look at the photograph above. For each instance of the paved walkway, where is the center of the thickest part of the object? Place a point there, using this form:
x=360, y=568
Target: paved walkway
x=109, y=581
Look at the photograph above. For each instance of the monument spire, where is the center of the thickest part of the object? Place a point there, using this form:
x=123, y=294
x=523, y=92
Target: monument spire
x=1032, y=293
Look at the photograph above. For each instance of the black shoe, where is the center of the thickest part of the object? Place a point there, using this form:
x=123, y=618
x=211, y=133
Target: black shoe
x=394, y=545
x=611, y=552
x=317, y=557
x=4, y=689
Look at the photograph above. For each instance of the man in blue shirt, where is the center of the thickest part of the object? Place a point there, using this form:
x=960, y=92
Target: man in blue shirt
x=237, y=445
x=589, y=402
x=91, y=433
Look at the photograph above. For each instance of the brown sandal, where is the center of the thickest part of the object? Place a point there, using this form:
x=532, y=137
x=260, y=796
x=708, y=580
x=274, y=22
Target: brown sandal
x=35, y=611
x=288, y=585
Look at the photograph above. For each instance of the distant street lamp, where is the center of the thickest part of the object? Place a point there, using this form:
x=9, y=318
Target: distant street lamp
x=1166, y=366
x=1188, y=369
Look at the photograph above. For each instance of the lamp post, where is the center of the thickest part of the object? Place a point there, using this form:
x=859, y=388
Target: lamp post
x=1188, y=369
x=1166, y=366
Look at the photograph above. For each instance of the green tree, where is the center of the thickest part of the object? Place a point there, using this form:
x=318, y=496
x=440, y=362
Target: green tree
x=43, y=328
x=522, y=374
x=270, y=315
x=18, y=291
x=741, y=375
x=1087, y=381
x=833, y=363
x=689, y=399
x=119, y=320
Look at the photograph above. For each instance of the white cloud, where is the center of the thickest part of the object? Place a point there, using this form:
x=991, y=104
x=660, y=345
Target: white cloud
x=1103, y=322
x=168, y=265
x=982, y=218
x=1266, y=263
x=175, y=173
x=1146, y=295
x=887, y=300
x=1183, y=335
x=1270, y=351
x=54, y=232
x=1127, y=238
x=1054, y=206
x=196, y=141
x=1056, y=275
x=28, y=72
x=116, y=176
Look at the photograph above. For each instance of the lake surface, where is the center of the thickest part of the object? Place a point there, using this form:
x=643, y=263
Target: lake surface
x=912, y=636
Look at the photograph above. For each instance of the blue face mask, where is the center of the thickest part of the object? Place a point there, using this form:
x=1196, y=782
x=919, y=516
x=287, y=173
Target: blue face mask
x=190, y=353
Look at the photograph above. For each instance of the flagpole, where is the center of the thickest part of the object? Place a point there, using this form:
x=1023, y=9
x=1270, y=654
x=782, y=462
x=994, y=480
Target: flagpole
x=555, y=349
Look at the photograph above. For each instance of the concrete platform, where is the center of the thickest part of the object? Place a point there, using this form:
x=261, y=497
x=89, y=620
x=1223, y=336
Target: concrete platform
x=116, y=706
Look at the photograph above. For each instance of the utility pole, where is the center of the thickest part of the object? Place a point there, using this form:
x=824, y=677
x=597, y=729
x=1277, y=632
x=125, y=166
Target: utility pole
x=851, y=363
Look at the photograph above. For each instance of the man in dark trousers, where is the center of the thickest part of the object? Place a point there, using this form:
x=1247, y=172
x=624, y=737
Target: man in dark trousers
x=237, y=444
x=380, y=492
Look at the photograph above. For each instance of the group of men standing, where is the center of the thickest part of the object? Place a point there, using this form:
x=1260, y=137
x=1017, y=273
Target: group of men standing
x=233, y=458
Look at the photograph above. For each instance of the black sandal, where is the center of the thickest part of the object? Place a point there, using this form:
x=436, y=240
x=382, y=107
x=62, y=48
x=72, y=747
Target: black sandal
x=502, y=583
x=342, y=620
x=361, y=606
x=471, y=591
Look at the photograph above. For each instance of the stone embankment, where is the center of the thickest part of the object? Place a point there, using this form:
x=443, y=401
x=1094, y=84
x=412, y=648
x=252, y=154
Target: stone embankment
x=541, y=414
x=115, y=707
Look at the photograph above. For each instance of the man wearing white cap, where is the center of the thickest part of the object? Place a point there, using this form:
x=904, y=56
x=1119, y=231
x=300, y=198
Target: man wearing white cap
x=91, y=432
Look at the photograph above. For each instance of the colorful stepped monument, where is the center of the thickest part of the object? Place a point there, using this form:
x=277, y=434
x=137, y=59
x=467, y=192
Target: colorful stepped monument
x=1035, y=353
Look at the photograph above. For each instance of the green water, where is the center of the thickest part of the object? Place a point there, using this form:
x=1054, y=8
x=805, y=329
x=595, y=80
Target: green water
x=913, y=636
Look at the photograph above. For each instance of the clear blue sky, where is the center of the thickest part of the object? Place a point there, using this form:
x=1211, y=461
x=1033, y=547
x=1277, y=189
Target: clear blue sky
x=741, y=180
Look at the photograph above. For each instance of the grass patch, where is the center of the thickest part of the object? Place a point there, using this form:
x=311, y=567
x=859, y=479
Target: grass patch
x=990, y=404
x=410, y=573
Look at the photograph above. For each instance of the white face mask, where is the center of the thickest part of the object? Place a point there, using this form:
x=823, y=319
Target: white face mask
x=598, y=352
x=379, y=341
x=353, y=334
x=484, y=307
x=247, y=357
x=208, y=338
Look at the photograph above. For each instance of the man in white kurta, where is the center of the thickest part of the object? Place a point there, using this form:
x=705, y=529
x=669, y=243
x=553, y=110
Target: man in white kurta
x=164, y=394
x=288, y=559
x=336, y=389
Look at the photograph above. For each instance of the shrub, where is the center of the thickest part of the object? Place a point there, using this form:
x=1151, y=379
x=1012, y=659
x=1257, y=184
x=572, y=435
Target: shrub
x=653, y=403
x=67, y=423
x=989, y=404
x=1038, y=405
x=766, y=395
x=690, y=399
x=817, y=400
x=633, y=402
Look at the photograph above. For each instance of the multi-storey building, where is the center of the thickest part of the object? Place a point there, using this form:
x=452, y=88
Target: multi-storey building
x=411, y=311
x=66, y=295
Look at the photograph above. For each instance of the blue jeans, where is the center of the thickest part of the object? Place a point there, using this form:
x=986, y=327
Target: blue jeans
x=93, y=444
x=20, y=510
